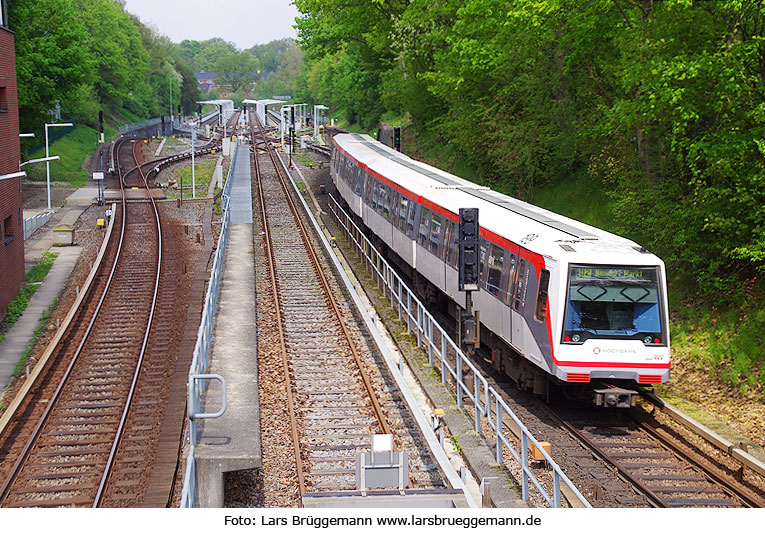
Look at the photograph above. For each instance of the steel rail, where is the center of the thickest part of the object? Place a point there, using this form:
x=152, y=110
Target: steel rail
x=732, y=488
x=328, y=291
x=139, y=364
x=4, y=489
x=280, y=328
x=60, y=387
x=652, y=497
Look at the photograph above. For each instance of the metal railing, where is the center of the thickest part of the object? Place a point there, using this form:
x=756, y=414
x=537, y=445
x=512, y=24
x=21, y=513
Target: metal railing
x=200, y=363
x=486, y=402
x=34, y=223
x=135, y=127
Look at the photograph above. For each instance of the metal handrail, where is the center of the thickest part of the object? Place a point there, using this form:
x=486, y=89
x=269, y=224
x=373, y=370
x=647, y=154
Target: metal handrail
x=201, y=359
x=483, y=397
x=195, y=391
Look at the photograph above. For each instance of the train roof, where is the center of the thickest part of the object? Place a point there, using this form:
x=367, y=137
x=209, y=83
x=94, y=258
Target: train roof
x=535, y=228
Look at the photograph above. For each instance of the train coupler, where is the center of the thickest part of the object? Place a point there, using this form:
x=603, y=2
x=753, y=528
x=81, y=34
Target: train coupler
x=614, y=397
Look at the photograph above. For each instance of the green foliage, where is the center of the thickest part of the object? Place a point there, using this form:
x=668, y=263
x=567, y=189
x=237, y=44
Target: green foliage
x=726, y=344
x=658, y=104
x=72, y=150
x=205, y=55
x=237, y=70
x=52, y=57
x=202, y=175
x=91, y=55
x=34, y=277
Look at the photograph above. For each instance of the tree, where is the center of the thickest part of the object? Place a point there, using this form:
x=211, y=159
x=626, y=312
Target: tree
x=237, y=70
x=52, y=61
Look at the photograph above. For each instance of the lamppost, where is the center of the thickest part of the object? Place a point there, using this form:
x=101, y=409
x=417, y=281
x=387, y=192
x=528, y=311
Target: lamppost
x=47, y=154
x=193, y=171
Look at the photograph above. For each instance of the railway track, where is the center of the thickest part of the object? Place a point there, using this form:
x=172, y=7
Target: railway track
x=657, y=463
x=334, y=403
x=644, y=462
x=65, y=440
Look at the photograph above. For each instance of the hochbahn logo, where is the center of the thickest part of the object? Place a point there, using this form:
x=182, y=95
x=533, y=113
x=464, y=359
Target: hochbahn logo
x=597, y=350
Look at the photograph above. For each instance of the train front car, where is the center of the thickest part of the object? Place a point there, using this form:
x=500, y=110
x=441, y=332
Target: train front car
x=558, y=299
x=615, y=330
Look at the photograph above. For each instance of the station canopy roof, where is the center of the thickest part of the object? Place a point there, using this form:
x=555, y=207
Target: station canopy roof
x=264, y=102
x=226, y=103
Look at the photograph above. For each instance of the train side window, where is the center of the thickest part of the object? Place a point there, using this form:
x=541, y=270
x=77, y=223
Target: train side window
x=447, y=241
x=424, y=227
x=494, y=276
x=403, y=212
x=520, y=278
x=378, y=196
x=368, y=191
x=482, y=263
x=454, y=245
x=394, y=201
x=435, y=233
x=540, y=312
x=385, y=199
x=509, y=281
x=360, y=181
x=411, y=220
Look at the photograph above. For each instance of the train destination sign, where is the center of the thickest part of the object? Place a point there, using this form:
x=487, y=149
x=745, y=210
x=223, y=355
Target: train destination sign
x=631, y=274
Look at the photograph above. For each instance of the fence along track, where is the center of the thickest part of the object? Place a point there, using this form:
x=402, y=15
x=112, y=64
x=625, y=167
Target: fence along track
x=66, y=460
x=320, y=359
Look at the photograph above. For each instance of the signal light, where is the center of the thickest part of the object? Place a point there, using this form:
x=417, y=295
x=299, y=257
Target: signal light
x=656, y=341
x=566, y=338
x=467, y=234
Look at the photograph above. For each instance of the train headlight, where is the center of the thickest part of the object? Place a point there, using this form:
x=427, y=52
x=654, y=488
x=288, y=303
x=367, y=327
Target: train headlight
x=576, y=337
x=647, y=339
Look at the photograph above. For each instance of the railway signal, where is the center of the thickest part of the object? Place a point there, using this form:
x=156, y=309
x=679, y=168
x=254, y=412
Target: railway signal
x=397, y=138
x=468, y=249
x=467, y=236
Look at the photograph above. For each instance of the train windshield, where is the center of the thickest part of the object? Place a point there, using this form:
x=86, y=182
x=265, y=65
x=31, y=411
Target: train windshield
x=614, y=303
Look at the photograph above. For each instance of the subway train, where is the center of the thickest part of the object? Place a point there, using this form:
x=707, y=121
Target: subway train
x=559, y=302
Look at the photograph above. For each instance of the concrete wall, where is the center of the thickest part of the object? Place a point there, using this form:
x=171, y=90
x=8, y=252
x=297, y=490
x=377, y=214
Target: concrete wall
x=11, y=222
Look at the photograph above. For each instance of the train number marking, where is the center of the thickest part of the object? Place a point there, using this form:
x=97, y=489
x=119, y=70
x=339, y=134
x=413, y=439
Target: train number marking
x=529, y=238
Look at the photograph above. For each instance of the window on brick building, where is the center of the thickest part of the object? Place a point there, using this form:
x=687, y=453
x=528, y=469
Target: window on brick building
x=3, y=100
x=8, y=230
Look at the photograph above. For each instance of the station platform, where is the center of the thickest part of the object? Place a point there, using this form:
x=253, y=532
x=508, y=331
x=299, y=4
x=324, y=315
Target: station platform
x=232, y=441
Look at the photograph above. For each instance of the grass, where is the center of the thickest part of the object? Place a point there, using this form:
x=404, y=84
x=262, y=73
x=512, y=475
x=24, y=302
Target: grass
x=35, y=276
x=304, y=159
x=582, y=199
x=72, y=149
x=21, y=363
x=726, y=345
x=203, y=171
x=428, y=147
x=456, y=442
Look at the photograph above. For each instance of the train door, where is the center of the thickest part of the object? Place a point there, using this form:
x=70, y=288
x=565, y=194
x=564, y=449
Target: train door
x=518, y=299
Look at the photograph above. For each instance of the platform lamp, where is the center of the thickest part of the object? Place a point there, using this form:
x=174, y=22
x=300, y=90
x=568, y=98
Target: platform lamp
x=47, y=154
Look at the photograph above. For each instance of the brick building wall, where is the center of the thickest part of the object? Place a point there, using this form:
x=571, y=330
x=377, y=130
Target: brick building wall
x=11, y=214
